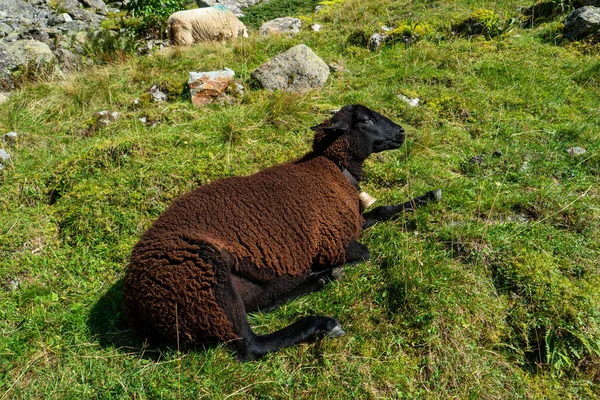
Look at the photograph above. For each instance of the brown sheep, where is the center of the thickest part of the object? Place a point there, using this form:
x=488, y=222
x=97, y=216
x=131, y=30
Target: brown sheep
x=248, y=243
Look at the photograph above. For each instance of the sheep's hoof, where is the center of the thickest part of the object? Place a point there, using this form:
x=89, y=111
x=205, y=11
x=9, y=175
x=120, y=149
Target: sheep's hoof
x=337, y=331
x=337, y=273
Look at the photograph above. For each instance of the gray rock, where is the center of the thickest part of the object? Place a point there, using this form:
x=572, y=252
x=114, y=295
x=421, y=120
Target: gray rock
x=14, y=55
x=376, y=41
x=281, y=26
x=105, y=118
x=4, y=156
x=582, y=22
x=297, y=70
x=97, y=5
x=316, y=27
x=234, y=5
x=10, y=136
x=5, y=29
x=576, y=151
x=318, y=8
x=17, y=8
x=4, y=97
x=158, y=95
x=476, y=160
x=335, y=67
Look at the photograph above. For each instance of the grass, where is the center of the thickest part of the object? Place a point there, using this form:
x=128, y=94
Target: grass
x=491, y=293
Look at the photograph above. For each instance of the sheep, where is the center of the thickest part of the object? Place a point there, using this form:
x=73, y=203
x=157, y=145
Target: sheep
x=186, y=27
x=242, y=244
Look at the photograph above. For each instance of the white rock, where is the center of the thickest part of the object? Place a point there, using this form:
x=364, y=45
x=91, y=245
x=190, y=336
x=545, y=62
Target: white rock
x=411, y=102
x=10, y=136
x=4, y=156
x=316, y=27
x=576, y=151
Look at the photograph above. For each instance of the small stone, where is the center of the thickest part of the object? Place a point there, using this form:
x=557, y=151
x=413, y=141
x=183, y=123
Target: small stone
x=12, y=284
x=106, y=118
x=4, y=97
x=386, y=28
x=316, y=27
x=525, y=166
x=281, y=26
x=4, y=156
x=335, y=67
x=497, y=153
x=12, y=136
x=476, y=160
x=576, y=151
x=375, y=41
x=157, y=94
x=411, y=102
x=318, y=8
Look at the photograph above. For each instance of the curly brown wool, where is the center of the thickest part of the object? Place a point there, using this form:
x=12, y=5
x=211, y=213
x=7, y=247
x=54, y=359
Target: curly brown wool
x=253, y=242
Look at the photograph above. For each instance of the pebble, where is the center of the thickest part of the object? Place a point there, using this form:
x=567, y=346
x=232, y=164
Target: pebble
x=411, y=102
x=4, y=156
x=476, y=160
x=10, y=136
x=576, y=151
x=316, y=27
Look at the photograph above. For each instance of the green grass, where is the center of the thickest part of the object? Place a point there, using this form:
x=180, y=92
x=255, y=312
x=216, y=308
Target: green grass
x=491, y=293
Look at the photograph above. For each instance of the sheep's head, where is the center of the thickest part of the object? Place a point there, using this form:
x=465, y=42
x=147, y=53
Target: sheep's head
x=354, y=133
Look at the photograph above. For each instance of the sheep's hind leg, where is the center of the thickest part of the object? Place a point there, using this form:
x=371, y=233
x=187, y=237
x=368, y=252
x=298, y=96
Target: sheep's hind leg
x=250, y=346
x=384, y=213
x=268, y=295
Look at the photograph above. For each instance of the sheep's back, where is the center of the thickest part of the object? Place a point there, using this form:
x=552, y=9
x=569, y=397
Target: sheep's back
x=284, y=218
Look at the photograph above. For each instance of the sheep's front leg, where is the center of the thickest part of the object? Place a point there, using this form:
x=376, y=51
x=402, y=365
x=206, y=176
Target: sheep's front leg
x=384, y=213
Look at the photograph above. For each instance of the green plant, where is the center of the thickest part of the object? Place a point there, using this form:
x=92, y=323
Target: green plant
x=154, y=13
x=483, y=22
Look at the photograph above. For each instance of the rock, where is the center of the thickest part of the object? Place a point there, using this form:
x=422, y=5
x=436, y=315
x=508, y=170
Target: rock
x=411, y=102
x=335, y=67
x=576, y=151
x=19, y=53
x=105, y=118
x=376, y=41
x=476, y=160
x=97, y=5
x=281, y=26
x=10, y=136
x=234, y=5
x=206, y=86
x=318, y=8
x=582, y=22
x=17, y=8
x=12, y=284
x=4, y=156
x=296, y=70
x=4, y=97
x=316, y=27
x=157, y=94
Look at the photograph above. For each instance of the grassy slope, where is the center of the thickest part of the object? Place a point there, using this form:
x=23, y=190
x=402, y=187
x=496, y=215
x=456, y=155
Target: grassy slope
x=490, y=294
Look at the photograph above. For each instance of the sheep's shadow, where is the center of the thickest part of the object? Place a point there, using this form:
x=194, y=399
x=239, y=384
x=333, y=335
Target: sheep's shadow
x=108, y=327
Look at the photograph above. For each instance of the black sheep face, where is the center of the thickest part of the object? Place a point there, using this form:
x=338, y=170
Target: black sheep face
x=356, y=132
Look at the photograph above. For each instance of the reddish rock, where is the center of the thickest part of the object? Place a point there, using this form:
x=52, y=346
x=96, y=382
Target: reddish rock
x=206, y=86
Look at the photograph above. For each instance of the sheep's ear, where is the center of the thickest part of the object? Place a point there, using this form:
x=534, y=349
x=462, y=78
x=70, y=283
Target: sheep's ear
x=340, y=126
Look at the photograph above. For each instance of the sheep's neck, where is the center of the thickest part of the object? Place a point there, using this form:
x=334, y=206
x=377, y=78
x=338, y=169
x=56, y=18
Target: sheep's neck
x=365, y=199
